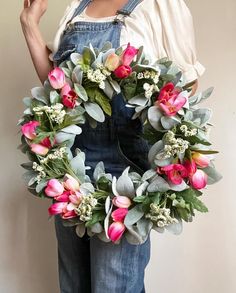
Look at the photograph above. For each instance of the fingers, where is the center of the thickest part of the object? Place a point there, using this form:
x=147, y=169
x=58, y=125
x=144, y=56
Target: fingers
x=26, y=3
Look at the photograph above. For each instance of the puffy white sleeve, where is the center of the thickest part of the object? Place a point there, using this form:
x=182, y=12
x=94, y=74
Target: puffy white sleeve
x=178, y=37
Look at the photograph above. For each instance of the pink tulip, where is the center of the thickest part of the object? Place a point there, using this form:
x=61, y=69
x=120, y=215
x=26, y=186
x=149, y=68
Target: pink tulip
x=190, y=167
x=66, y=89
x=123, y=71
x=70, y=183
x=112, y=61
x=115, y=231
x=39, y=149
x=54, y=188
x=198, y=180
x=121, y=201
x=29, y=129
x=57, y=208
x=56, y=78
x=64, y=197
x=201, y=160
x=119, y=214
x=75, y=198
x=128, y=55
x=175, y=173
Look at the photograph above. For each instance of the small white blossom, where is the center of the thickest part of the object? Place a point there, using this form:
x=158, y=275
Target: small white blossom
x=85, y=208
x=55, y=112
x=173, y=146
x=160, y=216
x=188, y=132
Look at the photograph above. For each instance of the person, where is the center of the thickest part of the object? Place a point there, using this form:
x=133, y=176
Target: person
x=165, y=28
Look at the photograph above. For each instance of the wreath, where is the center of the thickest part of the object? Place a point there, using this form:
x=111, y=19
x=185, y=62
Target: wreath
x=80, y=89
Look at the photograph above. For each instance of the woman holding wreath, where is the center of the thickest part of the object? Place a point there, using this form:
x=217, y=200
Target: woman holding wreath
x=165, y=28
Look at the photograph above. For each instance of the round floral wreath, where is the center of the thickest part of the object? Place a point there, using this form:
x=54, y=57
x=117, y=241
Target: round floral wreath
x=181, y=157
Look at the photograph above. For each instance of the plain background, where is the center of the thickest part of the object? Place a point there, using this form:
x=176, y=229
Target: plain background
x=200, y=260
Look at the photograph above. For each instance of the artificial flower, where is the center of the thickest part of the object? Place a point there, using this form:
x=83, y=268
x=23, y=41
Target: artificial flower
x=198, y=180
x=39, y=149
x=174, y=172
x=121, y=201
x=112, y=61
x=115, y=231
x=119, y=214
x=123, y=71
x=56, y=78
x=70, y=183
x=128, y=55
x=200, y=159
x=29, y=129
x=54, y=188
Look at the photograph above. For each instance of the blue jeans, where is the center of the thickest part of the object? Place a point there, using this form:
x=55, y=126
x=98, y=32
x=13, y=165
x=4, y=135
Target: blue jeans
x=91, y=265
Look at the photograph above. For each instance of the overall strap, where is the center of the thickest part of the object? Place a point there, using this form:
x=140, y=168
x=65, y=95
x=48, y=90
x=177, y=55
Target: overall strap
x=83, y=4
x=128, y=7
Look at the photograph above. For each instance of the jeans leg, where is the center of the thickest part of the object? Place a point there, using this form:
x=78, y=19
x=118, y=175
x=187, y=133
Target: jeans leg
x=118, y=268
x=73, y=259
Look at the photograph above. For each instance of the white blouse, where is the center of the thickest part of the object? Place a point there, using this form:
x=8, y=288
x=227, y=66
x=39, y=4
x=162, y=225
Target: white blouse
x=164, y=26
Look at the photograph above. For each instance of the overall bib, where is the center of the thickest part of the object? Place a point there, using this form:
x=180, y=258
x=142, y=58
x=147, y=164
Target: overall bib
x=88, y=264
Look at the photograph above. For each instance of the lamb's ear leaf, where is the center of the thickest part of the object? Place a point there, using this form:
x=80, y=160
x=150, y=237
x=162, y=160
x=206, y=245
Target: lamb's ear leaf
x=94, y=111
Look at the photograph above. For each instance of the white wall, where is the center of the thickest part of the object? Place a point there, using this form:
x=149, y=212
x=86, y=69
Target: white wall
x=201, y=259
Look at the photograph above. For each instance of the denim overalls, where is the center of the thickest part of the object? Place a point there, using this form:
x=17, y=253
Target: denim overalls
x=90, y=265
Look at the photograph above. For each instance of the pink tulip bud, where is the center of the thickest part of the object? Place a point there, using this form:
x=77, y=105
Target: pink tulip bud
x=39, y=149
x=64, y=197
x=28, y=129
x=115, y=231
x=66, y=89
x=121, y=201
x=56, y=78
x=54, y=188
x=123, y=71
x=198, y=180
x=201, y=160
x=119, y=214
x=128, y=55
x=76, y=198
x=57, y=208
x=71, y=183
x=112, y=62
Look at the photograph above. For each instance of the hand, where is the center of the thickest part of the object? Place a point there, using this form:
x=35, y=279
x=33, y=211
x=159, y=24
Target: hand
x=33, y=11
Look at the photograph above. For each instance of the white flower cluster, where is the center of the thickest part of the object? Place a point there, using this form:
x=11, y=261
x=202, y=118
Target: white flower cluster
x=150, y=89
x=160, y=216
x=98, y=75
x=174, y=145
x=188, y=132
x=57, y=154
x=55, y=112
x=154, y=75
x=85, y=209
x=41, y=171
